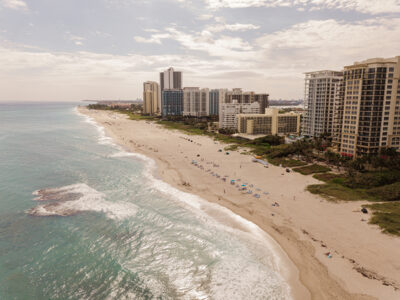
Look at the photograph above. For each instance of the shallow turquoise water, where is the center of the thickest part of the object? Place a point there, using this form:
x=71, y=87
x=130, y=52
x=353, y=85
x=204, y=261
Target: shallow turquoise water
x=124, y=233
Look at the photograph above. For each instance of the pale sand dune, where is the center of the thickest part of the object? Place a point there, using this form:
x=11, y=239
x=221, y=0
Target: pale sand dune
x=304, y=225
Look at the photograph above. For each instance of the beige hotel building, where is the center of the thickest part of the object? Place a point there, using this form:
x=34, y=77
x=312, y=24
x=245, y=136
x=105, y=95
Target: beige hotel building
x=151, y=98
x=270, y=123
x=370, y=114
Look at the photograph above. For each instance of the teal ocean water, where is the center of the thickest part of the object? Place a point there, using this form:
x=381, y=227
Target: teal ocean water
x=82, y=219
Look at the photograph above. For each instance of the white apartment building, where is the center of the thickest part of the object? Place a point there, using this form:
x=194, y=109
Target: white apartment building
x=151, y=98
x=229, y=111
x=196, y=102
x=321, y=90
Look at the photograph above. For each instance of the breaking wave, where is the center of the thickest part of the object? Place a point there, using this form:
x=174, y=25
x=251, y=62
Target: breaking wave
x=72, y=199
x=103, y=139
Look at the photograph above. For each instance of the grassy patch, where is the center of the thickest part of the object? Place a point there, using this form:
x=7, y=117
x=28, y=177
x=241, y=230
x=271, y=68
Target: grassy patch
x=227, y=139
x=285, y=162
x=137, y=117
x=189, y=129
x=231, y=147
x=326, y=177
x=333, y=191
x=386, y=216
x=314, y=168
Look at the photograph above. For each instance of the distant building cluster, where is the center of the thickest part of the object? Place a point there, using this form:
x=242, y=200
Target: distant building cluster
x=359, y=107
x=168, y=98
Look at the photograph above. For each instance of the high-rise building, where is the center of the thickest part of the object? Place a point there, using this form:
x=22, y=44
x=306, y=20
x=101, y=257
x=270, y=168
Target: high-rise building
x=371, y=107
x=196, y=102
x=172, y=103
x=151, y=98
x=229, y=111
x=263, y=100
x=170, y=80
x=216, y=97
x=321, y=90
x=238, y=95
x=271, y=123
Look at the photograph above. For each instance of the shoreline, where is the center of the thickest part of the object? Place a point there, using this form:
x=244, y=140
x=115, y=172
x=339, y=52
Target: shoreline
x=312, y=274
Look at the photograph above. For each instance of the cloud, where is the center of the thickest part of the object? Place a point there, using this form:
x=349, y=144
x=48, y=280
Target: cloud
x=15, y=4
x=321, y=44
x=221, y=46
x=364, y=6
x=153, y=39
x=205, y=41
x=77, y=40
x=82, y=74
x=204, y=17
x=231, y=27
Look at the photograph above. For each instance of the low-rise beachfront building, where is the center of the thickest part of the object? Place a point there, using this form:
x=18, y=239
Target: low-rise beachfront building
x=270, y=123
x=151, y=98
x=172, y=103
x=229, y=112
x=196, y=102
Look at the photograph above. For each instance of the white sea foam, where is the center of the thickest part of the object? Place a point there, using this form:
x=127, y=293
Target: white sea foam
x=103, y=139
x=88, y=200
x=236, y=278
x=122, y=154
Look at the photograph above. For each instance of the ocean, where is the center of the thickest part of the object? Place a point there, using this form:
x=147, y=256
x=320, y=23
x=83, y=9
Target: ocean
x=80, y=218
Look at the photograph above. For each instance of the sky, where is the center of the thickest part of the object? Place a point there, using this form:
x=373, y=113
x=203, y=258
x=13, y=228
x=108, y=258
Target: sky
x=68, y=50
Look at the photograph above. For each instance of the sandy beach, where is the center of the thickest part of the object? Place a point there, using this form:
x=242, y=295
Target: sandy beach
x=364, y=263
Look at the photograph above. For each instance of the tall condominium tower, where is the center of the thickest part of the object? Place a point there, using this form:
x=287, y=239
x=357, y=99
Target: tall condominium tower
x=239, y=96
x=170, y=79
x=172, y=103
x=151, y=98
x=263, y=100
x=321, y=90
x=196, y=102
x=217, y=97
x=371, y=107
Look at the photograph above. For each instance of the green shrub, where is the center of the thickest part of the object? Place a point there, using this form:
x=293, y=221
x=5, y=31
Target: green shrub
x=390, y=192
x=372, y=179
x=287, y=163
